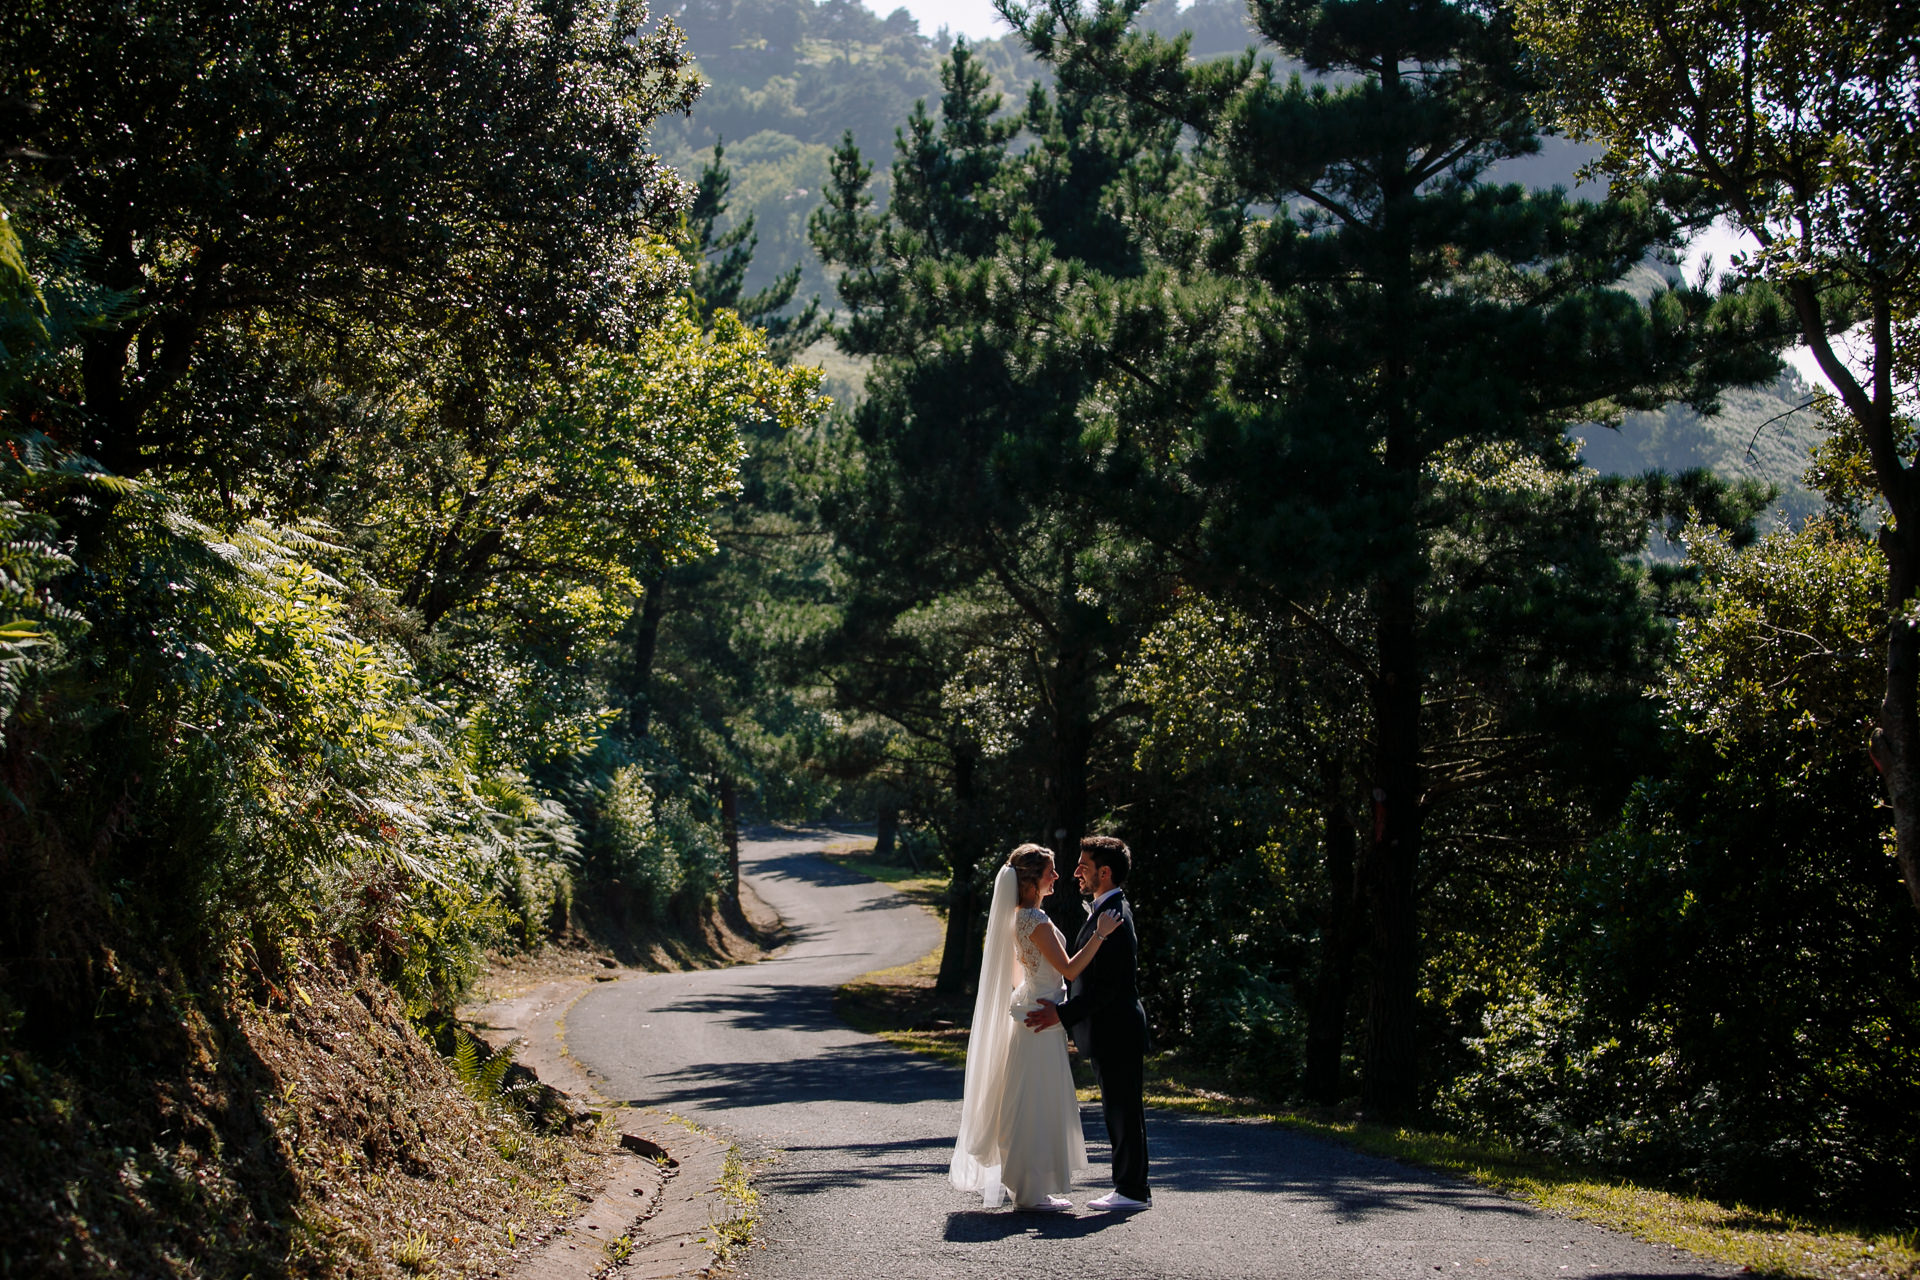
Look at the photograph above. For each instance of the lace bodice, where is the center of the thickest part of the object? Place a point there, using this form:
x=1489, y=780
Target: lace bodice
x=1038, y=978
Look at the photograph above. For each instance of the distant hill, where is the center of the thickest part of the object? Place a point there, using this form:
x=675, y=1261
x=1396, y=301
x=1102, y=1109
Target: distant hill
x=1761, y=433
x=789, y=77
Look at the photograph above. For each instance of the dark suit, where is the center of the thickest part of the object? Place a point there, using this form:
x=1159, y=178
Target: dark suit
x=1103, y=1014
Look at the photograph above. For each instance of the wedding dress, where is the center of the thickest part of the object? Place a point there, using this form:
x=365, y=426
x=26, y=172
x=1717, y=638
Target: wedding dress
x=1019, y=1120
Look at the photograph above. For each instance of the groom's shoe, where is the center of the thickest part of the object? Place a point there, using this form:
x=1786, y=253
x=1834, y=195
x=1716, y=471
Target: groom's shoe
x=1114, y=1202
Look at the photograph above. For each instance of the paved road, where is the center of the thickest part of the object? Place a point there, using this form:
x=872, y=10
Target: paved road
x=858, y=1135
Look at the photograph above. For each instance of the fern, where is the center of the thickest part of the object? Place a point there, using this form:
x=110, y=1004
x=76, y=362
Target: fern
x=466, y=1063
x=482, y=1071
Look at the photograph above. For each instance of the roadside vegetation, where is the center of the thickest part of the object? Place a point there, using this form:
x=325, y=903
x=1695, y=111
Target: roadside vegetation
x=422, y=537
x=343, y=469
x=902, y=1006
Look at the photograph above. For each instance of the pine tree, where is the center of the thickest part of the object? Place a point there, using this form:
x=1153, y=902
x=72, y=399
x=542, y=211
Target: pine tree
x=970, y=500
x=721, y=259
x=1381, y=350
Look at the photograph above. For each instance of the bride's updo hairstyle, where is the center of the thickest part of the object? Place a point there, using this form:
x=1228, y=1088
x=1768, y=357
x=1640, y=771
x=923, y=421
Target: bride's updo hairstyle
x=1029, y=863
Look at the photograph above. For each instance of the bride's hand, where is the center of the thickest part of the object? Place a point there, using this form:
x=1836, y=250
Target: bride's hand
x=1107, y=923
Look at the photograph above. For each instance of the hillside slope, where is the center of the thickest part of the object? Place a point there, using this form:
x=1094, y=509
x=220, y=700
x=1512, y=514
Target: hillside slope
x=1761, y=433
x=300, y=1128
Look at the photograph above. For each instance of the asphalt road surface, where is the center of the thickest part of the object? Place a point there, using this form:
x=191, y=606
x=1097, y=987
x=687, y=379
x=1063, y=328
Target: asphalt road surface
x=857, y=1133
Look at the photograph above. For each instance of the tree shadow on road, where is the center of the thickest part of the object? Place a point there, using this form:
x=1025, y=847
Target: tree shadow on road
x=773, y=1006
x=808, y=866
x=848, y=1073
x=1193, y=1156
x=856, y=1164
x=978, y=1226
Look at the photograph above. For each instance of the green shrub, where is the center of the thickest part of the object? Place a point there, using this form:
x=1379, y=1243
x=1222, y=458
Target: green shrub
x=653, y=849
x=1728, y=994
x=534, y=843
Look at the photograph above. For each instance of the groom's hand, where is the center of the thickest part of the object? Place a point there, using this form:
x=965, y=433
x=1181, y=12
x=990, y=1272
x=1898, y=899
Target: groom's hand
x=1043, y=1017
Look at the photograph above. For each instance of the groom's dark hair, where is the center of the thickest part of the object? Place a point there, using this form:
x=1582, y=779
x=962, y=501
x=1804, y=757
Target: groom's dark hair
x=1110, y=852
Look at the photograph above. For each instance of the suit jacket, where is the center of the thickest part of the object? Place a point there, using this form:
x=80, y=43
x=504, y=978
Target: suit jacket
x=1102, y=1011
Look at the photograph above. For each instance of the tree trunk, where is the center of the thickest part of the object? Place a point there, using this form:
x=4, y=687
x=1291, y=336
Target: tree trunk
x=730, y=829
x=886, y=831
x=1391, y=1076
x=1895, y=746
x=1333, y=984
x=960, y=959
x=103, y=371
x=1067, y=785
x=962, y=906
x=1390, y=1073
x=646, y=640
x=1896, y=743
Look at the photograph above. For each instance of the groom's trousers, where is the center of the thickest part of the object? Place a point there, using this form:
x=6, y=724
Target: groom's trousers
x=1122, y=1081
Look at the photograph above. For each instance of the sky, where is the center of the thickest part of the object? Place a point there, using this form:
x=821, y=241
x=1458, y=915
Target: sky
x=1722, y=242
x=974, y=19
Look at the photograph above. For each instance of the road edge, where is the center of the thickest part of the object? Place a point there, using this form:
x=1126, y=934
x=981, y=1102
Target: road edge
x=676, y=1204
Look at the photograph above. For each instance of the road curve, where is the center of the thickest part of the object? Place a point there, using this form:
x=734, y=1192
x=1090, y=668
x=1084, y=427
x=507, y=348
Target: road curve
x=857, y=1135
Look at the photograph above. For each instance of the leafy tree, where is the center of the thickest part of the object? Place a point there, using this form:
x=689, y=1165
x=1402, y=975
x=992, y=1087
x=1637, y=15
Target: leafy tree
x=1246, y=776
x=1361, y=393
x=401, y=166
x=1732, y=987
x=705, y=660
x=1799, y=120
x=529, y=533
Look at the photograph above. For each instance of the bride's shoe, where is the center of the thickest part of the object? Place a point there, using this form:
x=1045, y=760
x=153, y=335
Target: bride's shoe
x=1052, y=1204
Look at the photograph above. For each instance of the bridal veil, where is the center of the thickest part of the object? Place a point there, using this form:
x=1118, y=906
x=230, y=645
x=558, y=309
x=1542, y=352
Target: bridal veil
x=980, y=1150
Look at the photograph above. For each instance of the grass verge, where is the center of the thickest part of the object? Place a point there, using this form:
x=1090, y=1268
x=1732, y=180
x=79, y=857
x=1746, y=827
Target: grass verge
x=900, y=1005
x=733, y=1234
x=928, y=888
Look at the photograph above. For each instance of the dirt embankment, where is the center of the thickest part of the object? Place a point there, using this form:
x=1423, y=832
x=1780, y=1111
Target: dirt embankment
x=302, y=1129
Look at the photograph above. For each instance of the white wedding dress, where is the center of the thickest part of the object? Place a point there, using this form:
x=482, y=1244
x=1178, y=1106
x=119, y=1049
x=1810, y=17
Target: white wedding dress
x=1019, y=1122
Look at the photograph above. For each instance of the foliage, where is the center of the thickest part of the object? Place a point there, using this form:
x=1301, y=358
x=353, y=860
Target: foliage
x=1348, y=390
x=787, y=78
x=1003, y=614
x=33, y=624
x=401, y=429
x=705, y=665
x=1797, y=121
x=652, y=847
x=349, y=397
x=402, y=166
x=721, y=259
x=1730, y=976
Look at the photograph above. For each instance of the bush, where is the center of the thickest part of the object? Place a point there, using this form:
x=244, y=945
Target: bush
x=535, y=841
x=652, y=851
x=239, y=756
x=1730, y=992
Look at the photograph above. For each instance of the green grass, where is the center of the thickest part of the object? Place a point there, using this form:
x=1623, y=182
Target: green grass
x=734, y=1234
x=900, y=1005
x=926, y=887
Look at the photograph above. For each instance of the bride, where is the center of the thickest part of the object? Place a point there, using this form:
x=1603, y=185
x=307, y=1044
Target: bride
x=1019, y=1120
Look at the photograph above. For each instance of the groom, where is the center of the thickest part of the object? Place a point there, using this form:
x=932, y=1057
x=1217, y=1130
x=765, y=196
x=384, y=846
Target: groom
x=1104, y=1016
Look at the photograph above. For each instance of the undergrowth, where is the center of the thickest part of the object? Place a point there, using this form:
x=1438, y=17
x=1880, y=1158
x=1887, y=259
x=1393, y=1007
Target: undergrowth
x=901, y=1006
